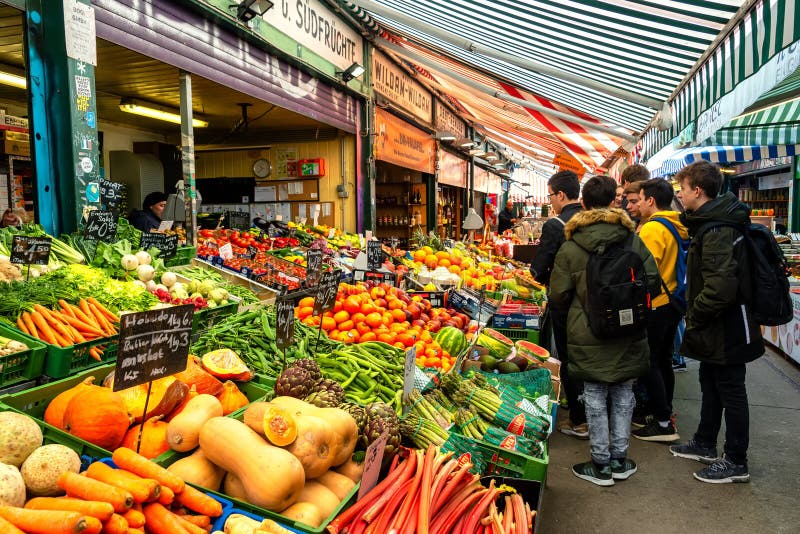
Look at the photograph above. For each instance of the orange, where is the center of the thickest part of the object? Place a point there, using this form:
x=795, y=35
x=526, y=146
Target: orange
x=353, y=336
x=352, y=305
x=346, y=325
x=374, y=320
x=305, y=301
x=398, y=315
x=341, y=316
x=368, y=336
x=419, y=255
x=386, y=338
x=363, y=328
x=305, y=311
x=328, y=324
x=432, y=362
x=396, y=328
x=431, y=262
x=406, y=339
x=444, y=262
x=443, y=254
x=358, y=317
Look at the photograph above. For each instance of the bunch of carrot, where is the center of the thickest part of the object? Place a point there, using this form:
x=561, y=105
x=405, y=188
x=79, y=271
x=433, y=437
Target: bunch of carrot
x=71, y=324
x=136, y=497
x=431, y=493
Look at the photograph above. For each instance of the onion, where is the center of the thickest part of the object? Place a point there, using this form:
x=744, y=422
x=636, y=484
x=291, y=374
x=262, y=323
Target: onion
x=129, y=262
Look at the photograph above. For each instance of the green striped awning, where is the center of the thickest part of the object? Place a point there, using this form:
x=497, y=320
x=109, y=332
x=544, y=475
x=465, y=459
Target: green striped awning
x=761, y=50
x=777, y=125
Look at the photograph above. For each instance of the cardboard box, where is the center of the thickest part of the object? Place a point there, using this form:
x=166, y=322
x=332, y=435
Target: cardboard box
x=10, y=120
x=11, y=135
x=16, y=148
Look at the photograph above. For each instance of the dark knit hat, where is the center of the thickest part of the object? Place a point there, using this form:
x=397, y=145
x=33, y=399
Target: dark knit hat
x=153, y=198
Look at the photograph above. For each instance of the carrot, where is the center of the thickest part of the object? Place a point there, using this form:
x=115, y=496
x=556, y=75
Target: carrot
x=111, y=316
x=80, y=315
x=140, y=488
x=78, y=324
x=28, y=320
x=135, y=518
x=162, y=521
x=44, y=521
x=21, y=325
x=55, y=323
x=88, y=316
x=45, y=333
x=93, y=525
x=99, y=509
x=76, y=334
x=199, y=520
x=199, y=502
x=167, y=496
x=105, y=324
x=190, y=527
x=93, y=490
x=65, y=308
x=137, y=464
x=8, y=528
x=95, y=353
x=116, y=525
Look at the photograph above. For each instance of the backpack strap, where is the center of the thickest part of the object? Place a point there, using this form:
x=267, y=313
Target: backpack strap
x=559, y=219
x=674, y=231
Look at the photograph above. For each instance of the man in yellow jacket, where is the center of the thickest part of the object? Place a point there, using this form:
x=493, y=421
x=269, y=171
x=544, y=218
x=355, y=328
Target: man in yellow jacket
x=663, y=234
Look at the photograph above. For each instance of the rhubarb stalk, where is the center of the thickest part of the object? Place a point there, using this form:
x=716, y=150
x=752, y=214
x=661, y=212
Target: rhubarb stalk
x=423, y=515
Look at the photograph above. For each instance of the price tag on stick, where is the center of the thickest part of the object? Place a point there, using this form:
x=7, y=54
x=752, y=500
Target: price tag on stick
x=28, y=250
x=101, y=226
x=326, y=294
x=313, y=266
x=374, y=255
x=372, y=464
x=409, y=370
x=284, y=334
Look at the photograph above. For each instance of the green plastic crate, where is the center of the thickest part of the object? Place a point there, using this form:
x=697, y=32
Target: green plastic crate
x=24, y=365
x=515, y=334
x=183, y=256
x=65, y=361
x=503, y=462
x=208, y=317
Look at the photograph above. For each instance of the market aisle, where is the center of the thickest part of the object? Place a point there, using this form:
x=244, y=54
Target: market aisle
x=663, y=497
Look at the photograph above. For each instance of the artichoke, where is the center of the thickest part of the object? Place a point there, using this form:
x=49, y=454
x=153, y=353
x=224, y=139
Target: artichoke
x=358, y=413
x=294, y=382
x=322, y=399
x=381, y=410
x=309, y=365
x=373, y=430
x=332, y=387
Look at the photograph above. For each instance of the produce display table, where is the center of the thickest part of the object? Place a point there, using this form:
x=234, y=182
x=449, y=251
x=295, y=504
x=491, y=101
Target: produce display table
x=786, y=337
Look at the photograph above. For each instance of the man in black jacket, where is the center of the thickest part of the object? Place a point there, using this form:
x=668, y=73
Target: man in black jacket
x=506, y=219
x=564, y=189
x=720, y=331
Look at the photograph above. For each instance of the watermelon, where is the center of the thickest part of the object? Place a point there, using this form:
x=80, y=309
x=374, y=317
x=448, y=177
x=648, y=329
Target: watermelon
x=499, y=345
x=531, y=350
x=452, y=340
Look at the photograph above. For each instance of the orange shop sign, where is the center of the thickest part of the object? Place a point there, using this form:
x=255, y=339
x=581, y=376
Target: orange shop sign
x=567, y=162
x=402, y=144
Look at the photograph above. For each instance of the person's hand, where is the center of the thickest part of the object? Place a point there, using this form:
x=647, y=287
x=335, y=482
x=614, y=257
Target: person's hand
x=513, y=221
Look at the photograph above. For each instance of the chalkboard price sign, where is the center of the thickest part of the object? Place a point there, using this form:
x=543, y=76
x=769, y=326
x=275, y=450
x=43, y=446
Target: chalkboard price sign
x=252, y=252
x=167, y=244
x=284, y=320
x=101, y=226
x=152, y=344
x=30, y=250
x=374, y=255
x=326, y=294
x=447, y=243
x=313, y=265
x=111, y=194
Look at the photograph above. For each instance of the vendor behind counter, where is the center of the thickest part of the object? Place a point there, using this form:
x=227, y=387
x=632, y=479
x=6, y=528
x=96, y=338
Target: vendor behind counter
x=149, y=217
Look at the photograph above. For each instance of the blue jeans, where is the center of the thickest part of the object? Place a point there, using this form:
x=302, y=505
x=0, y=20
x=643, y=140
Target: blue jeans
x=607, y=441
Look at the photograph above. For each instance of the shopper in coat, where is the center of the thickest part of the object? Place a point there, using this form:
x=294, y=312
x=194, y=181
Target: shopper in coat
x=564, y=188
x=719, y=329
x=609, y=366
x=506, y=219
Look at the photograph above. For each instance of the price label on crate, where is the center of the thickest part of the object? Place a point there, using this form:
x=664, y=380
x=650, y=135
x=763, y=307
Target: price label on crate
x=374, y=255
x=226, y=251
x=326, y=294
x=111, y=194
x=252, y=252
x=167, y=244
x=447, y=243
x=409, y=370
x=152, y=344
x=313, y=266
x=373, y=459
x=28, y=250
x=284, y=321
x=101, y=226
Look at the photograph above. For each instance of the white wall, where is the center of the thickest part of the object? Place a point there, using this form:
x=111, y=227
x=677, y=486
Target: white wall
x=116, y=137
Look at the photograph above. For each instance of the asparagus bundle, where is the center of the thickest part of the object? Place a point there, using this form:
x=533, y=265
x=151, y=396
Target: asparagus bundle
x=418, y=404
x=422, y=432
x=470, y=424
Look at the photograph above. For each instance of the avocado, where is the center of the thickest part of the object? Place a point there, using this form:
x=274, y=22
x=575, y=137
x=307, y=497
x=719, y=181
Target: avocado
x=488, y=363
x=508, y=367
x=520, y=362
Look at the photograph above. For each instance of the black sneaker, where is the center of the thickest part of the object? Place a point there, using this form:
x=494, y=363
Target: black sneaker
x=653, y=431
x=596, y=474
x=723, y=471
x=622, y=469
x=693, y=451
x=679, y=367
x=639, y=420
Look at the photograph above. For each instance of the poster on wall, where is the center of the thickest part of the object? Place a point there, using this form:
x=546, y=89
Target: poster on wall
x=286, y=163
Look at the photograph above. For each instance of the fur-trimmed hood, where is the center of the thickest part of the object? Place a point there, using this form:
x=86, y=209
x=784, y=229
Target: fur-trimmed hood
x=592, y=229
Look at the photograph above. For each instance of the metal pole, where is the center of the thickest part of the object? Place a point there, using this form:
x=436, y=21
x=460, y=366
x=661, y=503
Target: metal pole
x=187, y=157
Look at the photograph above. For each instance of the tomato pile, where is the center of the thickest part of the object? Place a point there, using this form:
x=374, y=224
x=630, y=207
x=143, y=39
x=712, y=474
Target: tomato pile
x=385, y=313
x=210, y=241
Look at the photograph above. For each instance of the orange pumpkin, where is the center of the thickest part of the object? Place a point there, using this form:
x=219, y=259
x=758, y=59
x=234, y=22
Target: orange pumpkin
x=232, y=398
x=154, y=437
x=202, y=380
x=226, y=364
x=54, y=414
x=97, y=415
x=165, y=394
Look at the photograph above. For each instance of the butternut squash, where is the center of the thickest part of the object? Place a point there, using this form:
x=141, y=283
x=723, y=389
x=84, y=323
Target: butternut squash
x=272, y=477
x=314, y=445
x=184, y=429
x=198, y=470
x=232, y=487
x=338, y=484
x=304, y=512
x=352, y=470
x=320, y=496
x=271, y=421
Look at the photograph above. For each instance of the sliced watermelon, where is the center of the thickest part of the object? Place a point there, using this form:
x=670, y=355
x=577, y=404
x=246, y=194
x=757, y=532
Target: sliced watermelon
x=499, y=345
x=532, y=350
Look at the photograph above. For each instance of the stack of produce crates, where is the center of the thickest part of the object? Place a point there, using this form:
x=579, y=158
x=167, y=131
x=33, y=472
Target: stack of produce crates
x=24, y=365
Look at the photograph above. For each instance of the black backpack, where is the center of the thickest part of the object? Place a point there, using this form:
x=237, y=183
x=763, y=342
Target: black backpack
x=766, y=290
x=617, y=295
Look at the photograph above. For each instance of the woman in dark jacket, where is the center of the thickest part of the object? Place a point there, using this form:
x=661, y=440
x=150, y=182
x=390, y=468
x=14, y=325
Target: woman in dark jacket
x=149, y=217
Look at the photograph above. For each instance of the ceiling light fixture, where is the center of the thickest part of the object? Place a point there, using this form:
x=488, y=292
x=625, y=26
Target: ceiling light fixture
x=353, y=71
x=247, y=10
x=491, y=156
x=445, y=136
x=154, y=112
x=463, y=142
x=477, y=152
x=13, y=80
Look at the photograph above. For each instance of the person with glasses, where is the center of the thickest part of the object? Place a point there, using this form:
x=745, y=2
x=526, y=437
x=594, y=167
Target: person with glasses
x=563, y=192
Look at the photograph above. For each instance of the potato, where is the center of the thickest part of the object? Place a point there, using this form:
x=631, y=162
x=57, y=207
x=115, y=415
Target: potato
x=12, y=487
x=43, y=467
